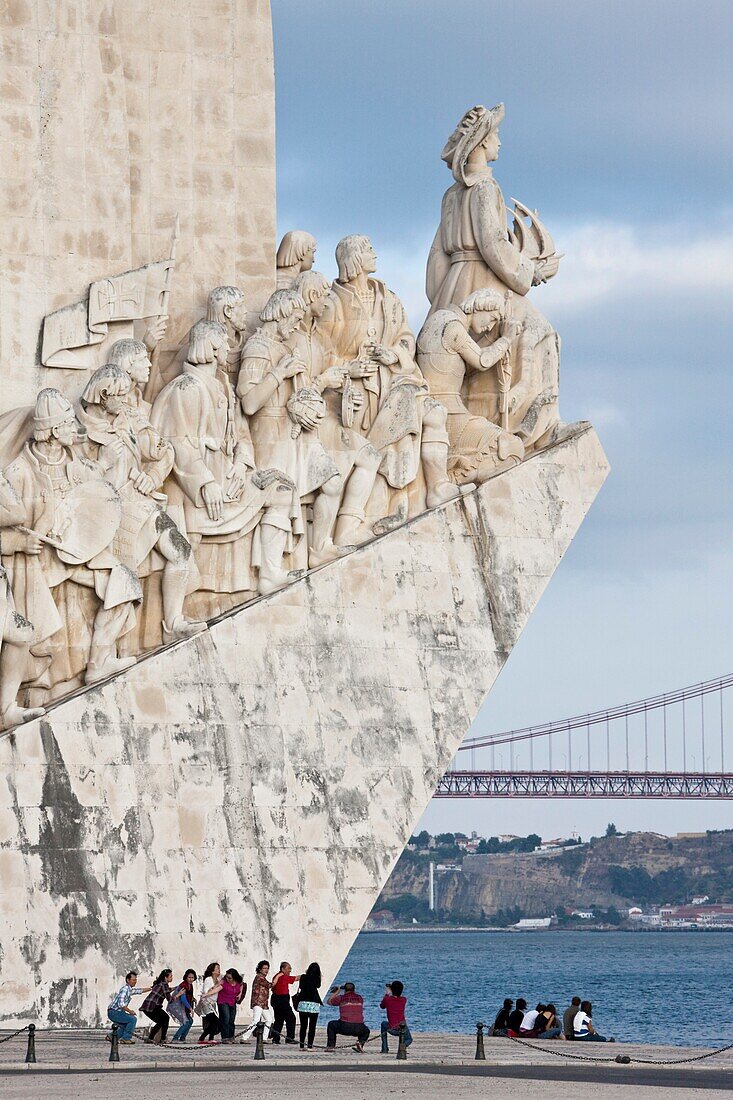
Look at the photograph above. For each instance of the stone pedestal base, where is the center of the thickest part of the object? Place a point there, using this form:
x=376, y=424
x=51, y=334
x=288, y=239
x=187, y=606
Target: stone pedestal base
x=245, y=795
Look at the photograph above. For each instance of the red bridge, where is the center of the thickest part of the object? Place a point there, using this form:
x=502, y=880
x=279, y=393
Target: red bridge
x=684, y=727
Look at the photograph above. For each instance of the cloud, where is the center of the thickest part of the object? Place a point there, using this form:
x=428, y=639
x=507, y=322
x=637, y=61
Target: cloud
x=611, y=260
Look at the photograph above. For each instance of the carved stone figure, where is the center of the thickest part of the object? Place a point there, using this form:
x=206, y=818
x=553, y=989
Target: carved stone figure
x=365, y=326
x=132, y=357
x=285, y=407
x=16, y=633
x=227, y=306
x=356, y=459
x=296, y=252
x=452, y=343
x=473, y=248
x=137, y=460
x=215, y=493
x=70, y=518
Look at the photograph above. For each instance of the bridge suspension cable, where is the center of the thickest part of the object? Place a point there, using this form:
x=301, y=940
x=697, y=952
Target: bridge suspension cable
x=604, y=717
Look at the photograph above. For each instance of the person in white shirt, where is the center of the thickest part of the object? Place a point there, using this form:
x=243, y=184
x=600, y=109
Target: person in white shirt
x=529, y=1021
x=583, y=1025
x=207, y=1007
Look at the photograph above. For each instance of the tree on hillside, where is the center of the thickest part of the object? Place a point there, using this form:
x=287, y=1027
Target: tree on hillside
x=422, y=839
x=611, y=829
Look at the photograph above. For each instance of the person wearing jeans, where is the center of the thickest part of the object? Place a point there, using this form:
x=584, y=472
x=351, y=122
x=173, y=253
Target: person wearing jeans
x=583, y=1026
x=351, y=1017
x=119, y=1011
x=393, y=1002
x=180, y=1006
x=232, y=991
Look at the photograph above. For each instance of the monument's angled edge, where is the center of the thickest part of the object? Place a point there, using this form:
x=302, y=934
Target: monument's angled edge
x=264, y=551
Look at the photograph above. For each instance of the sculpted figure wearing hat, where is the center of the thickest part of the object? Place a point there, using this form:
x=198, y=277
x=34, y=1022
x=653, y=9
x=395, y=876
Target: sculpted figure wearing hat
x=69, y=521
x=474, y=249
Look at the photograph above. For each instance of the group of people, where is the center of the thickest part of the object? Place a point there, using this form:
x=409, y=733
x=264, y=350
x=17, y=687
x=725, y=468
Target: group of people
x=520, y=1022
x=215, y=997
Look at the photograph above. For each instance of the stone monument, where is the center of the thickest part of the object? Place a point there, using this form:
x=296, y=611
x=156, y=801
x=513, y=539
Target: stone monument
x=263, y=550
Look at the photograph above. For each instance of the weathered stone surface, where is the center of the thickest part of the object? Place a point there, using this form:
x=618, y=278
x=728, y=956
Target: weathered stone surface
x=245, y=794
x=117, y=116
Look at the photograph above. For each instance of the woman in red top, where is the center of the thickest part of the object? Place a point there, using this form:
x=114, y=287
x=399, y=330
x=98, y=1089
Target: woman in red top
x=394, y=1004
x=280, y=1000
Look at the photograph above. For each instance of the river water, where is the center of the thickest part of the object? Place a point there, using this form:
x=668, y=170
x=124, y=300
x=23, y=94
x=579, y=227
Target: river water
x=655, y=987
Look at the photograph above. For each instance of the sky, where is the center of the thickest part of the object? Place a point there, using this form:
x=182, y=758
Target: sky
x=618, y=129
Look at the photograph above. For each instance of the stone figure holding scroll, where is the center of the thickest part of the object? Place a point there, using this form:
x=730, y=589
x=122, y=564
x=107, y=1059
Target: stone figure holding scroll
x=451, y=344
x=365, y=326
x=285, y=407
x=69, y=522
x=215, y=494
x=473, y=249
x=137, y=461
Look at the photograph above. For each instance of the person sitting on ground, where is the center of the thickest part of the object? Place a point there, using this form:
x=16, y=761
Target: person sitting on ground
x=119, y=1011
x=394, y=1003
x=583, y=1026
x=529, y=1028
x=548, y=1024
x=515, y=1018
x=568, y=1018
x=501, y=1023
x=351, y=1016
x=152, y=1006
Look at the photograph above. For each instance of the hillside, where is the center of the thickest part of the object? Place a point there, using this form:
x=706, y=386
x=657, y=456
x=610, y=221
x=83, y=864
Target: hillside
x=611, y=872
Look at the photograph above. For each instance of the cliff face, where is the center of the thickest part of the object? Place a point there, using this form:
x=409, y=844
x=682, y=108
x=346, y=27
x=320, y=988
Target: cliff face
x=610, y=871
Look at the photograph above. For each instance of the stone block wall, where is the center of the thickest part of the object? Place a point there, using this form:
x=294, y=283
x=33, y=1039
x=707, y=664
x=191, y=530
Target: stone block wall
x=118, y=115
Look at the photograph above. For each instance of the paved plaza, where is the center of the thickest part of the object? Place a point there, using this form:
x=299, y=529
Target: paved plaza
x=74, y=1062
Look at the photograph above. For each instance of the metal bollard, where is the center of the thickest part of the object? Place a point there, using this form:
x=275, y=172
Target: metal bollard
x=259, y=1043
x=480, y=1052
x=114, y=1050
x=401, y=1048
x=30, y=1054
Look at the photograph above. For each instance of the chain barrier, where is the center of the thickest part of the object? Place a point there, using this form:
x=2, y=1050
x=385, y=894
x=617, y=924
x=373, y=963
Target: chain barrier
x=14, y=1034
x=198, y=1047
x=627, y=1058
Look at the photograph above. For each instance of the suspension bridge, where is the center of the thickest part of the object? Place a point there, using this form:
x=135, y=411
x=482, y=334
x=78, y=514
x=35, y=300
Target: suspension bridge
x=666, y=746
